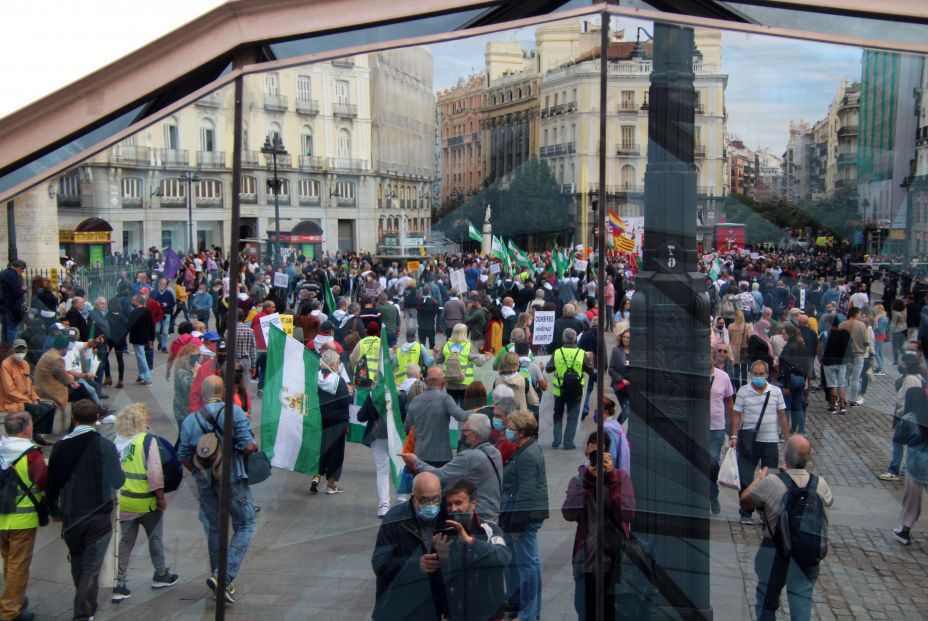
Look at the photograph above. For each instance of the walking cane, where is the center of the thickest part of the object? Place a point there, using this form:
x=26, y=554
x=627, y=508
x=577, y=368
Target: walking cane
x=116, y=530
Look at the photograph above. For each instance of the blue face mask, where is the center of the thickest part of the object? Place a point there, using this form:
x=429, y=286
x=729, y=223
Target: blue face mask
x=511, y=435
x=428, y=512
x=759, y=382
x=498, y=424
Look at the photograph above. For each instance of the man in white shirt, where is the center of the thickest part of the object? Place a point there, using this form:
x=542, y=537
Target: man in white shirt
x=754, y=427
x=860, y=299
x=72, y=364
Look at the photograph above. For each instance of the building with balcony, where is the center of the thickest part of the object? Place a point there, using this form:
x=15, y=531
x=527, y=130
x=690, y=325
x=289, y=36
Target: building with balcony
x=462, y=112
x=569, y=103
x=918, y=183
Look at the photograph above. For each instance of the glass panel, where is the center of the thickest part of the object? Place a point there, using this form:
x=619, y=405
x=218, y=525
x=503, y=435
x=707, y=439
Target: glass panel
x=447, y=198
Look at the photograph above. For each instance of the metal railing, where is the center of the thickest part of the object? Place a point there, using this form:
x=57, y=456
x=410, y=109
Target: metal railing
x=275, y=101
x=345, y=109
x=132, y=154
x=307, y=106
x=174, y=157
x=311, y=162
x=211, y=159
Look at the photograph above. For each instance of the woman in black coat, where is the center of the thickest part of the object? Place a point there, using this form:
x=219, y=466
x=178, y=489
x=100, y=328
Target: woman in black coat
x=333, y=404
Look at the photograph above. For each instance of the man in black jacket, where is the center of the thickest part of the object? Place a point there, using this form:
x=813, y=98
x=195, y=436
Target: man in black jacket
x=75, y=318
x=12, y=296
x=141, y=333
x=83, y=476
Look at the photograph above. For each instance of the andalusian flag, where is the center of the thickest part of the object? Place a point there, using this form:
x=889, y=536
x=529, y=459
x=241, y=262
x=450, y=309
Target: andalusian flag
x=560, y=260
x=518, y=256
x=474, y=234
x=329, y=298
x=291, y=423
x=716, y=269
x=387, y=402
x=499, y=251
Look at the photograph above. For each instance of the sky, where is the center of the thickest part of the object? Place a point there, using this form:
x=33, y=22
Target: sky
x=771, y=81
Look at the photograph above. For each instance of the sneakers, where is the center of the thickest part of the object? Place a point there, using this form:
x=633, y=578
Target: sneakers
x=260, y=393
x=314, y=487
x=902, y=536
x=382, y=510
x=161, y=581
x=879, y=372
x=120, y=592
x=889, y=476
x=859, y=402
x=843, y=411
x=747, y=520
x=334, y=489
x=212, y=584
x=556, y=444
x=831, y=410
x=714, y=506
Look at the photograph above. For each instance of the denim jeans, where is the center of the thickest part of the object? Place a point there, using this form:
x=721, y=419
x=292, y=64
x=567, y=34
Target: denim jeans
x=261, y=366
x=799, y=585
x=797, y=414
x=625, y=405
x=150, y=356
x=570, y=429
x=878, y=352
x=163, y=329
x=153, y=523
x=523, y=574
x=144, y=371
x=716, y=439
x=853, y=379
x=10, y=326
x=242, y=513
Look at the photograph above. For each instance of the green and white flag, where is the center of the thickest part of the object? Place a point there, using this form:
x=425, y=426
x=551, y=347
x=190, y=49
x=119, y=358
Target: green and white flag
x=329, y=298
x=716, y=269
x=499, y=251
x=291, y=423
x=518, y=256
x=474, y=234
x=387, y=402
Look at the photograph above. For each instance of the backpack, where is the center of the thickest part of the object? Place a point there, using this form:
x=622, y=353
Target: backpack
x=171, y=467
x=454, y=370
x=802, y=529
x=571, y=383
x=209, y=447
x=12, y=489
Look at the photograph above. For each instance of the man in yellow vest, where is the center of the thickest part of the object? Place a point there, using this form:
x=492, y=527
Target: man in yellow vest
x=566, y=358
x=141, y=499
x=410, y=352
x=367, y=349
x=18, y=529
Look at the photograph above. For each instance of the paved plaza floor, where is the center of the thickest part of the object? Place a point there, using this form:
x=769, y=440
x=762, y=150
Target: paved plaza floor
x=310, y=557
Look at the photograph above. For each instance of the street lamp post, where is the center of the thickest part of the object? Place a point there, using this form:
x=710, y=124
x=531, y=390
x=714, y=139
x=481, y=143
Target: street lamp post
x=274, y=147
x=190, y=178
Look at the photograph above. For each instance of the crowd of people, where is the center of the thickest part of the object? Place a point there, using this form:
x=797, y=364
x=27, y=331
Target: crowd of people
x=462, y=541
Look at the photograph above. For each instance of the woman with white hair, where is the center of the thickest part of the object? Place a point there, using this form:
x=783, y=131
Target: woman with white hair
x=141, y=499
x=334, y=400
x=458, y=357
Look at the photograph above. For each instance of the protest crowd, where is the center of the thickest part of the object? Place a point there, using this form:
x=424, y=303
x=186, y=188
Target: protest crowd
x=390, y=353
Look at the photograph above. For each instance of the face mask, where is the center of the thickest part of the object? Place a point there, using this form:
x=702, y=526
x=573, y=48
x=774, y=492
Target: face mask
x=498, y=424
x=511, y=435
x=428, y=512
x=20, y=357
x=759, y=382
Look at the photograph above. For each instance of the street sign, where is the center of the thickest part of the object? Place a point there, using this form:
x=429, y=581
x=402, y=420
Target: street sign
x=543, y=328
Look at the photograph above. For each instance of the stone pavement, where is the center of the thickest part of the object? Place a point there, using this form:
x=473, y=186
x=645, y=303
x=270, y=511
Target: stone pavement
x=310, y=557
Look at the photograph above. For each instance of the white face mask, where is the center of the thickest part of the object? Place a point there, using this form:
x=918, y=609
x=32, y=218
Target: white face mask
x=20, y=357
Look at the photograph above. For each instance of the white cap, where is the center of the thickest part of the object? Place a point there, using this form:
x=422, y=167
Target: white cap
x=196, y=334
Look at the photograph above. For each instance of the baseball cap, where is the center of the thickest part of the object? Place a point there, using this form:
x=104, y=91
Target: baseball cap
x=57, y=326
x=20, y=344
x=211, y=336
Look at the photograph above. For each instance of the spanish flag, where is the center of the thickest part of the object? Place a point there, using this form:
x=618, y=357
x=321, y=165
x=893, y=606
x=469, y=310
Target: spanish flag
x=615, y=223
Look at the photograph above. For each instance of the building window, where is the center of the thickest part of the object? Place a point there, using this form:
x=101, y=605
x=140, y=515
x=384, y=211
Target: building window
x=304, y=88
x=306, y=142
x=345, y=190
x=249, y=185
x=341, y=92
x=344, y=143
x=628, y=136
x=207, y=136
x=284, y=187
x=309, y=189
x=273, y=132
x=272, y=84
x=173, y=189
x=210, y=189
x=131, y=187
x=628, y=177
x=171, y=140
x=628, y=100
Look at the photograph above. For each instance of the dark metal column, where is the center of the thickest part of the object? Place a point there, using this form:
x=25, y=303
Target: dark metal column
x=225, y=488
x=13, y=252
x=669, y=426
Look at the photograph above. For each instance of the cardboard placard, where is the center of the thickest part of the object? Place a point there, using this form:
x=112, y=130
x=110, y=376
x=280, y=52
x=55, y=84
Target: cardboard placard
x=286, y=322
x=543, y=328
x=282, y=280
x=267, y=321
x=412, y=266
x=458, y=281
x=494, y=268
x=580, y=266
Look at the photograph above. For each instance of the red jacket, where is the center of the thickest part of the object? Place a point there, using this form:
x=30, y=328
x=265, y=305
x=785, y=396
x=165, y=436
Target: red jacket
x=620, y=503
x=196, y=389
x=506, y=448
x=157, y=313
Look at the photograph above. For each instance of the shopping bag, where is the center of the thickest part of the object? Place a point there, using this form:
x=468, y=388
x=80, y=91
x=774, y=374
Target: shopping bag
x=728, y=470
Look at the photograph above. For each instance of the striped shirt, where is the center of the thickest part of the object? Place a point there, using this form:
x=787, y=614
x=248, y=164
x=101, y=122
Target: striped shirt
x=750, y=402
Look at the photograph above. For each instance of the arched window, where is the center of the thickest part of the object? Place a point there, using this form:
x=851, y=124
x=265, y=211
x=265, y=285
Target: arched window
x=208, y=135
x=344, y=143
x=628, y=177
x=273, y=131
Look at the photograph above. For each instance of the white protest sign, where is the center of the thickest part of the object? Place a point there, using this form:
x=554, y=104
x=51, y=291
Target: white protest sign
x=282, y=280
x=580, y=266
x=267, y=321
x=494, y=268
x=543, y=328
x=802, y=298
x=458, y=281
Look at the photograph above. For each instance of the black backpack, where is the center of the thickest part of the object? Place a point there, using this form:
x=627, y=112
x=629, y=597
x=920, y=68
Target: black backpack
x=171, y=467
x=571, y=383
x=802, y=529
x=12, y=490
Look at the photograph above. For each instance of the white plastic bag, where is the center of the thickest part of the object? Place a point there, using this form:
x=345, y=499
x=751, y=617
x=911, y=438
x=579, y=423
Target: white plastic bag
x=728, y=470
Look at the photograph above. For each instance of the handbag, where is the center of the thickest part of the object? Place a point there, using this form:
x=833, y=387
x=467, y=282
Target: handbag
x=258, y=467
x=747, y=438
